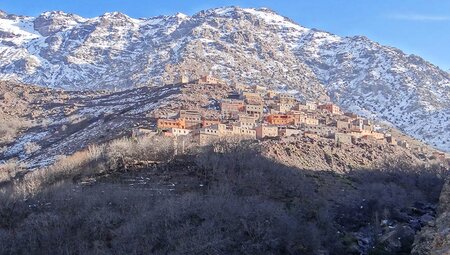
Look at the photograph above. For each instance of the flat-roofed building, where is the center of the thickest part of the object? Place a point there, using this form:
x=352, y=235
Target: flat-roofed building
x=208, y=79
x=287, y=99
x=343, y=138
x=331, y=108
x=342, y=125
x=254, y=110
x=391, y=140
x=324, y=131
x=164, y=124
x=361, y=124
x=311, y=121
x=207, y=123
x=230, y=108
x=182, y=79
x=252, y=98
x=244, y=132
x=177, y=132
x=305, y=106
x=192, y=118
x=283, y=107
x=281, y=119
x=207, y=135
x=289, y=131
x=263, y=131
x=247, y=121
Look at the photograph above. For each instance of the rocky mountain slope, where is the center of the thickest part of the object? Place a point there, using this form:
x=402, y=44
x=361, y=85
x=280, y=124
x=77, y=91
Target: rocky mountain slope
x=252, y=46
x=61, y=123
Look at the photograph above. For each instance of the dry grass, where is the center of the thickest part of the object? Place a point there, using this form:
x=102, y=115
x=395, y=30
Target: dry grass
x=97, y=160
x=10, y=128
x=9, y=170
x=87, y=162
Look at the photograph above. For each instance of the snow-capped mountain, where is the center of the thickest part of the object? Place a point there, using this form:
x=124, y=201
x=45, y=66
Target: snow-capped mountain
x=251, y=46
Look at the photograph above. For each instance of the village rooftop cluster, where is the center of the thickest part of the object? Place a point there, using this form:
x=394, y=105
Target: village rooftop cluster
x=255, y=112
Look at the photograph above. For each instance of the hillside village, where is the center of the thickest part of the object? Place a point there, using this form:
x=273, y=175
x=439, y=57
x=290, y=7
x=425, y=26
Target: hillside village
x=255, y=112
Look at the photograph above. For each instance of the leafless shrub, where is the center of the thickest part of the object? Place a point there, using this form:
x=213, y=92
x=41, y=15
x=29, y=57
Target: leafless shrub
x=9, y=170
x=253, y=205
x=155, y=148
x=87, y=162
x=126, y=150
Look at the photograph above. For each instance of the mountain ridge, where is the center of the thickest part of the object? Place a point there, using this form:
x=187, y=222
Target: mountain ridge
x=240, y=45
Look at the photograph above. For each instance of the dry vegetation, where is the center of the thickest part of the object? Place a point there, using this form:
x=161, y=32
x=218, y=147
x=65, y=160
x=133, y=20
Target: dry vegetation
x=9, y=170
x=251, y=205
x=10, y=127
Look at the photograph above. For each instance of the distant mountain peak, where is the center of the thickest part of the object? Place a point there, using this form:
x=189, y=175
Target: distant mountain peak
x=3, y=14
x=239, y=45
x=116, y=15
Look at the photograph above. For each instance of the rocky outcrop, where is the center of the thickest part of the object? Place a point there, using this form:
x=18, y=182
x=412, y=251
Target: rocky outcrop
x=435, y=238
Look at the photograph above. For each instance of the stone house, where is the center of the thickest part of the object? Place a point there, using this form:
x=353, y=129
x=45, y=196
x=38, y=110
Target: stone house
x=271, y=94
x=177, y=132
x=342, y=125
x=281, y=119
x=230, y=108
x=192, y=118
x=244, y=132
x=331, y=108
x=246, y=121
x=323, y=131
x=164, y=124
x=403, y=144
x=343, y=138
x=361, y=124
x=307, y=119
x=207, y=79
x=207, y=123
x=181, y=79
x=287, y=99
x=252, y=98
x=283, y=107
x=306, y=106
x=289, y=131
x=358, y=134
x=206, y=135
x=370, y=138
x=254, y=110
x=391, y=140
x=263, y=131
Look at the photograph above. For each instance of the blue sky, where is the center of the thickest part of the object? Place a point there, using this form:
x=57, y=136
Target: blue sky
x=420, y=27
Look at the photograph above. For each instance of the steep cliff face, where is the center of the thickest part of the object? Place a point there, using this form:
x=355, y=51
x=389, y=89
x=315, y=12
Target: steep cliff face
x=435, y=238
x=251, y=46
